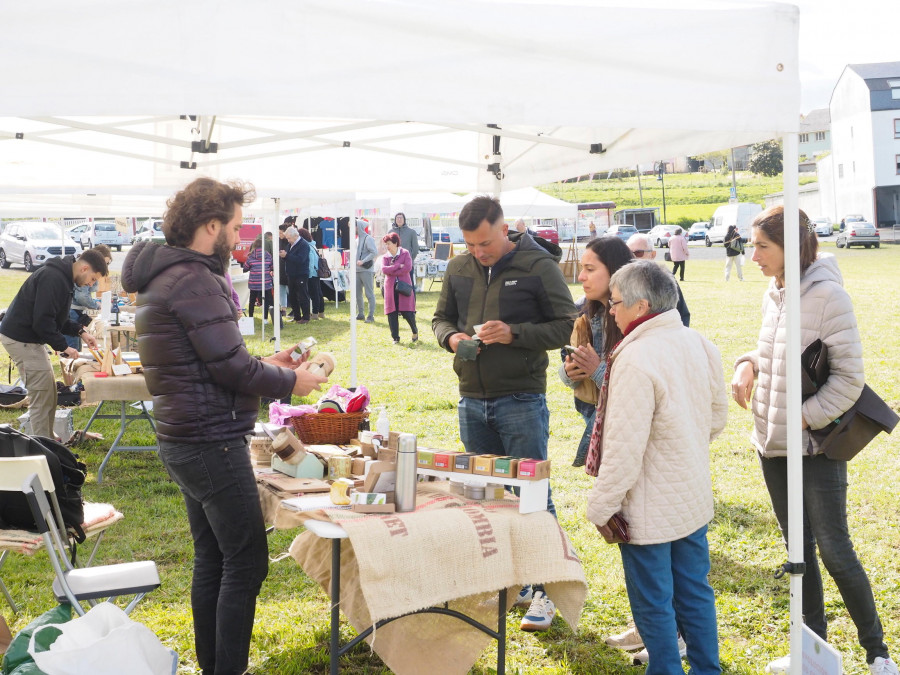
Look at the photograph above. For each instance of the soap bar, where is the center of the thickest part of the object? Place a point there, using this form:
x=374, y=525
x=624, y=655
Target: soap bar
x=339, y=492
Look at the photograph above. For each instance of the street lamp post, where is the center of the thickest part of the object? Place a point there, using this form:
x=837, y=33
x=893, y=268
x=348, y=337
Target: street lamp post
x=661, y=176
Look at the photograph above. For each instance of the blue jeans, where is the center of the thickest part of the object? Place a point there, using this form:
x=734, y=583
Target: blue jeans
x=73, y=341
x=517, y=425
x=669, y=591
x=825, y=525
x=231, y=555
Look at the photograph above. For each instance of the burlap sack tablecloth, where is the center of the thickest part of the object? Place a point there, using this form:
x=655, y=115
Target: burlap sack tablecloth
x=449, y=550
x=119, y=388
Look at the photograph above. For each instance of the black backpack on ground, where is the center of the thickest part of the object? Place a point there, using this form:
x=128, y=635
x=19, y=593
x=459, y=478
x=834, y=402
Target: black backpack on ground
x=68, y=479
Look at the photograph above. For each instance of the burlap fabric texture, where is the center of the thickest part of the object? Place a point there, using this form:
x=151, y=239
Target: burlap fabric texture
x=449, y=550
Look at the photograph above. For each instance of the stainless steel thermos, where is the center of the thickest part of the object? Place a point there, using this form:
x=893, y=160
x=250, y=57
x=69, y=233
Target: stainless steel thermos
x=405, y=491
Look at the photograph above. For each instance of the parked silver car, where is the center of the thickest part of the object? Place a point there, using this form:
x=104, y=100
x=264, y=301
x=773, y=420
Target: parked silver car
x=858, y=234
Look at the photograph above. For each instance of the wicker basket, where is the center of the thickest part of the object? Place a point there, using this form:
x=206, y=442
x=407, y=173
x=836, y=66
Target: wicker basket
x=316, y=428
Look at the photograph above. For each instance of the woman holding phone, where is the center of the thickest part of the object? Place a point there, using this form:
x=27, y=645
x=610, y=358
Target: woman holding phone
x=594, y=332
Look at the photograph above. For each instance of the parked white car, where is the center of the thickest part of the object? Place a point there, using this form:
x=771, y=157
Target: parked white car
x=103, y=233
x=823, y=227
x=31, y=244
x=74, y=232
x=151, y=230
x=660, y=235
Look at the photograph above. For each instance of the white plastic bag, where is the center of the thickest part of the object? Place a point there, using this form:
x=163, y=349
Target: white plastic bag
x=104, y=642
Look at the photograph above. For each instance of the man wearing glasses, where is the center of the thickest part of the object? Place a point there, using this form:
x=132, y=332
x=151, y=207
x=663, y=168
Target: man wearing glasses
x=643, y=250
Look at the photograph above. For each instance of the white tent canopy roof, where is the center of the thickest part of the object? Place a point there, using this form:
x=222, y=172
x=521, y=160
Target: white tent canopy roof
x=531, y=203
x=397, y=99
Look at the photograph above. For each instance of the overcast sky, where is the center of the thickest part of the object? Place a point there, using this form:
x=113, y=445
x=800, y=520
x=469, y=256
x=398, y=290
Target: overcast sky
x=834, y=33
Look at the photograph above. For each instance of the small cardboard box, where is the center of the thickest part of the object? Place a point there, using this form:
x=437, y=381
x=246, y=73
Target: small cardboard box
x=484, y=464
x=463, y=462
x=373, y=508
x=358, y=466
x=505, y=467
x=534, y=469
x=382, y=477
x=425, y=459
x=443, y=460
x=394, y=440
x=387, y=455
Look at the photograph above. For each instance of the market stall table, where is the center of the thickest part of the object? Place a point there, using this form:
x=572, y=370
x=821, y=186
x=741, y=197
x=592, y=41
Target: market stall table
x=404, y=580
x=122, y=389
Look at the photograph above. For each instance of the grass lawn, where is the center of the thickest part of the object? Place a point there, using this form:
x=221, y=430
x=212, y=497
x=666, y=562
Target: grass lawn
x=690, y=197
x=418, y=386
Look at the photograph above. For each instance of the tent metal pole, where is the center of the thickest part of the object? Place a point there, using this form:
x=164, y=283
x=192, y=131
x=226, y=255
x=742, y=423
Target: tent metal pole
x=352, y=300
x=794, y=418
x=276, y=279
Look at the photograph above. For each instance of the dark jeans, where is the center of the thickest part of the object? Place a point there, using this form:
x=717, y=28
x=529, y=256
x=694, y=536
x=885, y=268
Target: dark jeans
x=73, y=341
x=299, y=297
x=675, y=267
x=394, y=323
x=825, y=525
x=315, y=296
x=517, y=425
x=231, y=556
x=268, y=302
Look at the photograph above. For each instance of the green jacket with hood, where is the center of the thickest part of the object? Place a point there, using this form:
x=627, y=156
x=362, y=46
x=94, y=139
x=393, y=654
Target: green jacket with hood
x=525, y=290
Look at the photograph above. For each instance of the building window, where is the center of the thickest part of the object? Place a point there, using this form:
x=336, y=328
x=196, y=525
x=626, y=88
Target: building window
x=895, y=93
x=840, y=170
x=897, y=160
x=804, y=138
x=896, y=128
x=820, y=135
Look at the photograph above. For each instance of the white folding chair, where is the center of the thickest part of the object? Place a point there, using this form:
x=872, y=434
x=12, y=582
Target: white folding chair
x=91, y=584
x=14, y=470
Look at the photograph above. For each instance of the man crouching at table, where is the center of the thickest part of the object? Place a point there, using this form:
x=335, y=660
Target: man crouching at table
x=206, y=388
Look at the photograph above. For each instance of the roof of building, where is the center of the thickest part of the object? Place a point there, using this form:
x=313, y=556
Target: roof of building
x=815, y=120
x=875, y=73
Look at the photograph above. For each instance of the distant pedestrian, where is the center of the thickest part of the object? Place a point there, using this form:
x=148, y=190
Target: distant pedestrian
x=678, y=251
x=397, y=266
x=734, y=252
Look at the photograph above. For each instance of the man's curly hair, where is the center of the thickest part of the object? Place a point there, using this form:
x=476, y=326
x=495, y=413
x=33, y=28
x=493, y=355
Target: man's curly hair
x=200, y=202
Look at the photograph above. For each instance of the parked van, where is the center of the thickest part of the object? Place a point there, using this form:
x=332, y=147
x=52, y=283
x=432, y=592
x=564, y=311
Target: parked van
x=740, y=214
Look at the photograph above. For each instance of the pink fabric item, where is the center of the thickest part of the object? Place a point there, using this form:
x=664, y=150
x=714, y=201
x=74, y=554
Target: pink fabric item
x=395, y=268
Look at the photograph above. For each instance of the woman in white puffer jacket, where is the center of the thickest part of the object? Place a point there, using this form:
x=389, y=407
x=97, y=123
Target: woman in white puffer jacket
x=826, y=314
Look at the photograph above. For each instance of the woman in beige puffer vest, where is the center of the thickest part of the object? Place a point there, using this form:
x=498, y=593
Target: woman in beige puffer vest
x=826, y=314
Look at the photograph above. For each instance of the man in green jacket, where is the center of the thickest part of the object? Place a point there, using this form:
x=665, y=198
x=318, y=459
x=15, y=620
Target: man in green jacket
x=510, y=294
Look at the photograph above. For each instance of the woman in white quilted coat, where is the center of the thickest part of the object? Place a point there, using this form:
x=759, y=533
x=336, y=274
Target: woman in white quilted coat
x=826, y=314
x=655, y=421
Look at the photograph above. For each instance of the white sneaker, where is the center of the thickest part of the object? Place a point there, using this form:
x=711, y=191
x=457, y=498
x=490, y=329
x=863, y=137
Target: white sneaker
x=642, y=658
x=883, y=667
x=782, y=665
x=540, y=614
x=524, y=598
x=628, y=640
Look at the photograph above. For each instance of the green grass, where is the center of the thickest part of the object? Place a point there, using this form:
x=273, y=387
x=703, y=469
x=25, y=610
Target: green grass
x=418, y=385
x=690, y=197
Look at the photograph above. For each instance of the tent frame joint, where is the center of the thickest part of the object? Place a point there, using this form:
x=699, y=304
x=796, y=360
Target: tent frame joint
x=791, y=568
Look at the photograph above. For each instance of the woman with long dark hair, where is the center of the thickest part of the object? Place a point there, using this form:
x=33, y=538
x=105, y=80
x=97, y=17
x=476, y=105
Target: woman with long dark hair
x=595, y=331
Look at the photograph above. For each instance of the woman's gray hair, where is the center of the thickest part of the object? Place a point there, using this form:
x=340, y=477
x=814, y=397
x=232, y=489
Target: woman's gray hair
x=292, y=232
x=646, y=280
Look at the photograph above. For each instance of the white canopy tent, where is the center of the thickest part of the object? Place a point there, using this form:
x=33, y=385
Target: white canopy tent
x=460, y=96
x=531, y=203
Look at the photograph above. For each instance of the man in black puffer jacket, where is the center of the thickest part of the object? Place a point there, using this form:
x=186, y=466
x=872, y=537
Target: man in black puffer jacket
x=206, y=388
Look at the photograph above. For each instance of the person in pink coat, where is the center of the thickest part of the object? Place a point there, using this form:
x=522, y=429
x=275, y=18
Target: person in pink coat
x=678, y=251
x=396, y=266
